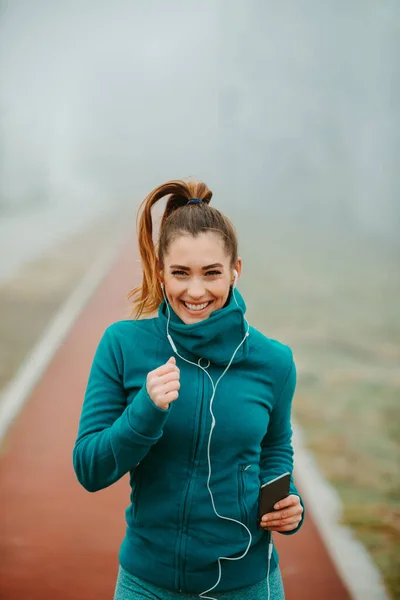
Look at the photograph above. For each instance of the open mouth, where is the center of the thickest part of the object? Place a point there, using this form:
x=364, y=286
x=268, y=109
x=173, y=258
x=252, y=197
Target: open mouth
x=196, y=308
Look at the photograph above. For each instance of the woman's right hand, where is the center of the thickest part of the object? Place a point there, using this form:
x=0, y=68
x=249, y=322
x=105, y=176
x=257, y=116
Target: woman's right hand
x=163, y=384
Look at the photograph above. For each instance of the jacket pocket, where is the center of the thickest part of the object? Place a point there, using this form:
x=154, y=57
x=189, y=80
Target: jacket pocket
x=137, y=484
x=243, y=477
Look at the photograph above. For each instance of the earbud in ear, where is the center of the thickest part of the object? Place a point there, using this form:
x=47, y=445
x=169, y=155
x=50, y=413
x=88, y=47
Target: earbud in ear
x=162, y=285
x=236, y=275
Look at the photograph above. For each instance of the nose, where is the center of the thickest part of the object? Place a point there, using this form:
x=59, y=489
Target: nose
x=196, y=289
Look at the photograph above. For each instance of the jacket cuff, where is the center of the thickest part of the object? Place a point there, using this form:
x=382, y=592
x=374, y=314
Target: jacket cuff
x=144, y=417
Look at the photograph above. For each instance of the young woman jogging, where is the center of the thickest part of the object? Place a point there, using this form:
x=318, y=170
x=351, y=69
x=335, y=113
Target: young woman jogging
x=195, y=405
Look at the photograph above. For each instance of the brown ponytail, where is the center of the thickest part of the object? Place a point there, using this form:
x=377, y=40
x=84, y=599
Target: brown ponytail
x=189, y=219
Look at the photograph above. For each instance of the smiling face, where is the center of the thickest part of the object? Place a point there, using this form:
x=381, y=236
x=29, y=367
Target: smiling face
x=197, y=276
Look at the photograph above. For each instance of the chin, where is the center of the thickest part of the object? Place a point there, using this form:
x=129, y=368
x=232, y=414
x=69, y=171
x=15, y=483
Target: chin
x=190, y=320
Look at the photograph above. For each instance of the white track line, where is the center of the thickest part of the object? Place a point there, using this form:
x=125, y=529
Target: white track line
x=18, y=390
x=352, y=561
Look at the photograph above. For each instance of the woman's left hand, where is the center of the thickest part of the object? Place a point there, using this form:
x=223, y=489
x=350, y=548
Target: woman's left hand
x=286, y=516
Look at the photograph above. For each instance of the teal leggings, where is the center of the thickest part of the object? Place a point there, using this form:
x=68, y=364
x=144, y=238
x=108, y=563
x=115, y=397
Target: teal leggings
x=130, y=587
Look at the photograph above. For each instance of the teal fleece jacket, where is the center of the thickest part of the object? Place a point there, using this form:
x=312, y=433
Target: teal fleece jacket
x=173, y=537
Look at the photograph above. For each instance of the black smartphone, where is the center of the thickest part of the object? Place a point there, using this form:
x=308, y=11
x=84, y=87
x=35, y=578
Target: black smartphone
x=272, y=492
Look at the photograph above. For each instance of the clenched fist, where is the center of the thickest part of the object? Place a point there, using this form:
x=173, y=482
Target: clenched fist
x=163, y=385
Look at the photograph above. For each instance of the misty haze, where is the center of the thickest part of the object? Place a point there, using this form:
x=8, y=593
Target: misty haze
x=289, y=111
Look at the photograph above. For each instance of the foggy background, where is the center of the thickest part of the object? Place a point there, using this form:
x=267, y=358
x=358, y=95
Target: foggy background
x=289, y=111
x=288, y=107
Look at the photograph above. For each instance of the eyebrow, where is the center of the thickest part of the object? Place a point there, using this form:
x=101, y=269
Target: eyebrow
x=183, y=268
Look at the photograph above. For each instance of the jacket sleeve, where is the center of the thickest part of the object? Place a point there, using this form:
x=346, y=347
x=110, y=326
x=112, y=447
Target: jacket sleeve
x=113, y=437
x=277, y=449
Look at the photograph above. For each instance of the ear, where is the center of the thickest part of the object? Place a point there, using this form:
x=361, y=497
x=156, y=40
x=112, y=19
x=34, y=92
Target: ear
x=237, y=272
x=235, y=278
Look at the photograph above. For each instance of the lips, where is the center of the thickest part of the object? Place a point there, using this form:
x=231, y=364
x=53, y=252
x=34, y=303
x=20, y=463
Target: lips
x=196, y=308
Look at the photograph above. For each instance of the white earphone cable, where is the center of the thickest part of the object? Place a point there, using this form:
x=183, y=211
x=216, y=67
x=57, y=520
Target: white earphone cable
x=213, y=422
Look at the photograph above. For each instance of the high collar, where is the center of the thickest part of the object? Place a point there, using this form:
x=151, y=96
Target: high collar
x=216, y=338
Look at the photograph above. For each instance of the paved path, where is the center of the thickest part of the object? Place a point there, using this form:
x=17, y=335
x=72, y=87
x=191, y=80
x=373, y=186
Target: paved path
x=58, y=542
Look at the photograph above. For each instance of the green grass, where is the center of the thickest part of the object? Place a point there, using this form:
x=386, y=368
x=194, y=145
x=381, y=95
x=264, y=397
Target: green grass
x=336, y=302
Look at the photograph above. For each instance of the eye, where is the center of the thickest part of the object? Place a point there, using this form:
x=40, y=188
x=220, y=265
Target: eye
x=213, y=273
x=179, y=273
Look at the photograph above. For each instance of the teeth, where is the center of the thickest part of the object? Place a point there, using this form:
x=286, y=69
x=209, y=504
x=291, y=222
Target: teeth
x=196, y=306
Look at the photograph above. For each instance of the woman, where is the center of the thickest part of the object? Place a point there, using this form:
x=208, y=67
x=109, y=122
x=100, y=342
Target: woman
x=195, y=405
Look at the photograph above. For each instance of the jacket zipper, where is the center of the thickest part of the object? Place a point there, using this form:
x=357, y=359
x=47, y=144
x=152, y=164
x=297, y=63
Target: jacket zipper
x=185, y=512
